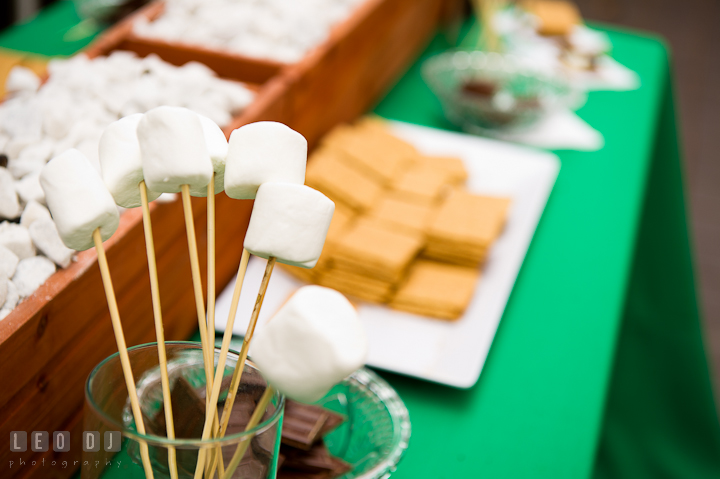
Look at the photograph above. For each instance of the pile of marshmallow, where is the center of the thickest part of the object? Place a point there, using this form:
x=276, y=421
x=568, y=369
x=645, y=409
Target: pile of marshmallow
x=276, y=30
x=316, y=339
x=70, y=110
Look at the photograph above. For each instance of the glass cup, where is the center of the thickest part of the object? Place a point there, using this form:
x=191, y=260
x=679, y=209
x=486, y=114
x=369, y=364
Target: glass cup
x=111, y=443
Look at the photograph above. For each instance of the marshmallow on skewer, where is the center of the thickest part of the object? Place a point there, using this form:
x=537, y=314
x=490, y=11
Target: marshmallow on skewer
x=289, y=222
x=173, y=150
x=314, y=341
x=217, y=146
x=120, y=162
x=78, y=200
x=263, y=152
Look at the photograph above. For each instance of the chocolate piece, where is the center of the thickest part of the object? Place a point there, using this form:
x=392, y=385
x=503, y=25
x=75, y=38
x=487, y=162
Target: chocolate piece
x=527, y=102
x=333, y=421
x=264, y=445
x=3, y=160
x=340, y=467
x=311, y=458
x=479, y=88
x=189, y=423
x=202, y=393
x=252, y=384
x=250, y=467
x=242, y=410
x=302, y=424
x=317, y=459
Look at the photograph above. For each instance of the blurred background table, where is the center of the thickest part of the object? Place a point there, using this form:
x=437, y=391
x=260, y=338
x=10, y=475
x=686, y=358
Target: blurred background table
x=598, y=367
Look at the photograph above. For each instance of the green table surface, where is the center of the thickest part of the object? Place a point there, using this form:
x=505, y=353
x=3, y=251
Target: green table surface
x=597, y=368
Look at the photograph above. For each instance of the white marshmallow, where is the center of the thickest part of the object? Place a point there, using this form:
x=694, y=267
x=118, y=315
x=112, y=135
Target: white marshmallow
x=217, y=146
x=314, y=341
x=78, y=200
x=29, y=189
x=13, y=297
x=8, y=262
x=46, y=238
x=120, y=162
x=9, y=205
x=33, y=211
x=289, y=222
x=17, y=239
x=3, y=289
x=173, y=150
x=263, y=152
x=21, y=79
x=31, y=273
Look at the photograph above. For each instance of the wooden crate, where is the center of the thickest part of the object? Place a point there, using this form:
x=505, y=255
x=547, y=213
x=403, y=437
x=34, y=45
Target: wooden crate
x=51, y=341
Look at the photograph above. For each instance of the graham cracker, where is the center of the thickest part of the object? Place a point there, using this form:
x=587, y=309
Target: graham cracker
x=422, y=184
x=452, y=166
x=374, y=249
x=410, y=216
x=340, y=181
x=469, y=220
x=372, y=149
x=556, y=17
x=462, y=258
x=436, y=289
x=362, y=286
x=341, y=220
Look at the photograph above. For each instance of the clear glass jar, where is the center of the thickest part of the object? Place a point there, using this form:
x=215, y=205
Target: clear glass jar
x=116, y=442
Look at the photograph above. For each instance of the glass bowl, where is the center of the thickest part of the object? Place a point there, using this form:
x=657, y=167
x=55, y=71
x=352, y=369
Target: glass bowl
x=486, y=91
x=376, y=433
x=372, y=439
x=107, y=411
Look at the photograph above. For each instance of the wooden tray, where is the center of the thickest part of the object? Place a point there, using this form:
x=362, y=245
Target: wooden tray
x=53, y=339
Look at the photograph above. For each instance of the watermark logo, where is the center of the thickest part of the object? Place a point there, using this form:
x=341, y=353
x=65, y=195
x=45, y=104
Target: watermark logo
x=41, y=441
x=92, y=441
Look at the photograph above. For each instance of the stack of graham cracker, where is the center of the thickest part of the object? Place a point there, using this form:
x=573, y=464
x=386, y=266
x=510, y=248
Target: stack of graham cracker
x=405, y=231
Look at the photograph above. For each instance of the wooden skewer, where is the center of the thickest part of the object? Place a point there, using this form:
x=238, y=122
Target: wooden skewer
x=227, y=338
x=122, y=350
x=254, y=420
x=211, y=258
x=486, y=10
x=208, y=350
x=237, y=374
x=159, y=331
x=211, y=294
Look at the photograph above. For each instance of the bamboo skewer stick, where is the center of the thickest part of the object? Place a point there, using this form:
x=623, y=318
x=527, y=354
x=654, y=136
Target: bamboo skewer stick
x=211, y=280
x=227, y=337
x=486, y=10
x=208, y=350
x=211, y=294
x=211, y=258
x=254, y=420
x=159, y=331
x=122, y=350
x=237, y=374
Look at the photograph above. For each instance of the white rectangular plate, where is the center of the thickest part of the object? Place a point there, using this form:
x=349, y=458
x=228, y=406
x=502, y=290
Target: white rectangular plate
x=451, y=353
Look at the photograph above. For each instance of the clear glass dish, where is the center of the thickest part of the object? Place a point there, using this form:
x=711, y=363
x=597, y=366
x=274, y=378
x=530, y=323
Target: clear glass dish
x=486, y=91
x=376, y=434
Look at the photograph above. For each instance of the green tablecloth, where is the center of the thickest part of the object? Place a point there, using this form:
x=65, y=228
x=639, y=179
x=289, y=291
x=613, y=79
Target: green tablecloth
x=598, y=367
